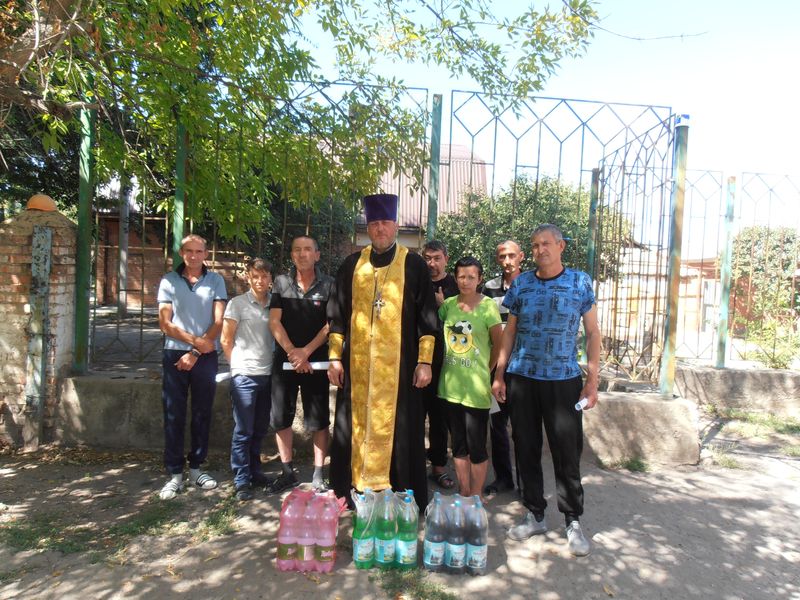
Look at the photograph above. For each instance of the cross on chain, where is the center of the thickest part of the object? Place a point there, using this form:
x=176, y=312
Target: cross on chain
x=378, y=304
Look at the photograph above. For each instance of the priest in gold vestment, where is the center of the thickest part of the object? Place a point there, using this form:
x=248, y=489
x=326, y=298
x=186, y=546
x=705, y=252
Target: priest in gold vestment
x=382, y=316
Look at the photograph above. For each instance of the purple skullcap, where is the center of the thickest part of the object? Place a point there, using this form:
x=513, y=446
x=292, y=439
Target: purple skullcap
x=381, y=207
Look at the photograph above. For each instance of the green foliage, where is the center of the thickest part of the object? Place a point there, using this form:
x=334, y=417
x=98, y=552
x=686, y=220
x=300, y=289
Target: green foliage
x=514, y=214
x=228, y=70
x=765, y=296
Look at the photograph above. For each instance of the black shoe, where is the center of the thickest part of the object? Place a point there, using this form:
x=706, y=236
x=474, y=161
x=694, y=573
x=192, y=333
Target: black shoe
x=259, y=479
x=498, y=486
x=283, y=482
x=244, y=493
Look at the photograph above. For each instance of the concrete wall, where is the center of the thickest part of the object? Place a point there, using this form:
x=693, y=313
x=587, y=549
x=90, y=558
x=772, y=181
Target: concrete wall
x=15, y=280
x=771, y=390
x=655, y=429
x=125, y=411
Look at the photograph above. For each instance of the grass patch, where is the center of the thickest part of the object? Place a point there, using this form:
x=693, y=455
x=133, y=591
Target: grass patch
x=9, y=576
x=635, y=464
x=793, y=451
x=721, y=455
x=221, y=520
x=411, y=585
x=60, y=532
x=764, y=422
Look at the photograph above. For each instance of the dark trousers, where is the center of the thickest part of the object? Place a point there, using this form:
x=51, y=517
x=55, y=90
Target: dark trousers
x=250, y=396
x=501, y=445
x=436, y=409
x=201, y=380
x=534, y=403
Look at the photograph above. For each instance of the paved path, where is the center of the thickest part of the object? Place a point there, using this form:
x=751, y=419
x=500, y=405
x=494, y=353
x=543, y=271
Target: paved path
x=694, y=532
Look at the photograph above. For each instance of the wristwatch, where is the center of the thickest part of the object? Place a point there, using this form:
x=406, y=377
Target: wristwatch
x=196, y=353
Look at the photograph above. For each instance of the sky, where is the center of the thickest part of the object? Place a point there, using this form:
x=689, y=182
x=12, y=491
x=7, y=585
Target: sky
x=731, y=65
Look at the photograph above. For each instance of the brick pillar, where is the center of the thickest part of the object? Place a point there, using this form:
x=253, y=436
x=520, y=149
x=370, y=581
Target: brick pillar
x=19, y=424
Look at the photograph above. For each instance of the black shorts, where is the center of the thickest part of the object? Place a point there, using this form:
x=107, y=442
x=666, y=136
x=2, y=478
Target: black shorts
x=468, y=427
x=314, y=390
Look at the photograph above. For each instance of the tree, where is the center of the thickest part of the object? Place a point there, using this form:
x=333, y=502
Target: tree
x=227, y=70
x=513, y=214
x=765, y=296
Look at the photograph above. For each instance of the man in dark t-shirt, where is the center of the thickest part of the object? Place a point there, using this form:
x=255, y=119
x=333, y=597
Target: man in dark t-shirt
x=444, y=286
x=298, y=321
x=509, y=257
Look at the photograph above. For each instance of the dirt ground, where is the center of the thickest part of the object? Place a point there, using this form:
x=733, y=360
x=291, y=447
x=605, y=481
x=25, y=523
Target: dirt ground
x=84, y=524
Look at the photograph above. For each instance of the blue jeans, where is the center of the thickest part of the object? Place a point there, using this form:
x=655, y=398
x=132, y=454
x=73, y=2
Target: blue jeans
x=201, y=380
x=250, y=395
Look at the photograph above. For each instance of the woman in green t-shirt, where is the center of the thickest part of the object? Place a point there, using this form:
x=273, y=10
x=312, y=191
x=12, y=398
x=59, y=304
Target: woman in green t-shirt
x=472, y=332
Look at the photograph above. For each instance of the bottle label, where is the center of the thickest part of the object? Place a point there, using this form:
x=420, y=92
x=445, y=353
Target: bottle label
x=476, y=556
x=433, y=553
x=305, y=553
x=406, y=552
x=287, y=551
x=363, y=549
x=454, y=555
x=325, y=553
x=384, y=550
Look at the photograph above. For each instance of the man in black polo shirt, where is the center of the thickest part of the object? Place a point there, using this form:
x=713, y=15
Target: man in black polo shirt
x=444, y=286
x=298, y=321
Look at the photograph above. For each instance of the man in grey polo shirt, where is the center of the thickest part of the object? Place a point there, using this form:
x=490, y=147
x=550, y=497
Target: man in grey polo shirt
x=248, y=345
x=191, y=303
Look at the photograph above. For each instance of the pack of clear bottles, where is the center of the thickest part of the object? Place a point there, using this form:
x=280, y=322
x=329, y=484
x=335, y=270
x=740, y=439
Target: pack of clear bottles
x=307, y=532
x=456, y=535
x=385, y=530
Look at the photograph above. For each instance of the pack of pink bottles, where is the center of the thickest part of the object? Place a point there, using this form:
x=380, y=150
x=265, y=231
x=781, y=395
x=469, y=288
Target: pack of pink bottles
x=307, y=532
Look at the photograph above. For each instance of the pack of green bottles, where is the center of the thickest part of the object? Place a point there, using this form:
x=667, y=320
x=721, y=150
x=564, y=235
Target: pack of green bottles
x=385, y=530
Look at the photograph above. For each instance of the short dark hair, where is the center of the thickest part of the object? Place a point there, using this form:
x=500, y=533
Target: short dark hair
x=259, y=264
x=435, y=246
x=468, y=261
x=304, y=236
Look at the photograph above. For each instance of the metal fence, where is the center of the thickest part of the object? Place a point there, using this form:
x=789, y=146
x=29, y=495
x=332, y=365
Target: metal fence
x=133, y=233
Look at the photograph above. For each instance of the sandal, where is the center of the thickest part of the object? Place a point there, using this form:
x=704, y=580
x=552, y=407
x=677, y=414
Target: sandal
x=443, y=480
x=171, y=489
x=205, y=482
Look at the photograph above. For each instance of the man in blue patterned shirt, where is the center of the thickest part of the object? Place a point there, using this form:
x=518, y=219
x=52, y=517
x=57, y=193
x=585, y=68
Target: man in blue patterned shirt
x=539, y=376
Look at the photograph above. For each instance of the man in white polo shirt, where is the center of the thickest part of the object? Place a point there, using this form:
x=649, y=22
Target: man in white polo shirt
x=248, y=345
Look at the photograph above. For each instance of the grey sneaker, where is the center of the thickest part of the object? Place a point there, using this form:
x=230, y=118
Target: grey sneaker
x=527, y=527
x=577, y=542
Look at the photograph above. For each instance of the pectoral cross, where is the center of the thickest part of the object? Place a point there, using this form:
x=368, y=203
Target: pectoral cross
x=378, y=304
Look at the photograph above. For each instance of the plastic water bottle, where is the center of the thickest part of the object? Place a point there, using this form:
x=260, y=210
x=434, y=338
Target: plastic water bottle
x=306, y=538
x=477, y=538
x=433, y=548
x=287, y=533
x=326, y=529
x=385, y=532
x=407, y=525
x=364, y=530
x=581, y=404
x=455, y=548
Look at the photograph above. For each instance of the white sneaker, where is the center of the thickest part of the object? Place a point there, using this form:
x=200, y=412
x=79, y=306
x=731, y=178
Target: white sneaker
x=577, y=542
x=528, y=527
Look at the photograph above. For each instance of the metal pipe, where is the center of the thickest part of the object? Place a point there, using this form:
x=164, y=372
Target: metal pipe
x=433, y=173
x=83, y=265
x=725, y=277
x=180, y=194
x=667, y=375
x=591, y=242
